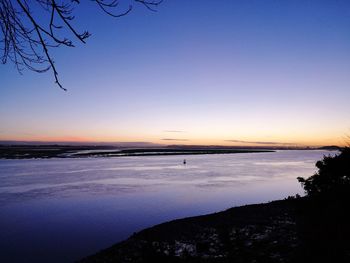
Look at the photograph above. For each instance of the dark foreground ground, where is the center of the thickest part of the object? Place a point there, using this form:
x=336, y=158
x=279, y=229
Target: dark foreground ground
x=291, y=230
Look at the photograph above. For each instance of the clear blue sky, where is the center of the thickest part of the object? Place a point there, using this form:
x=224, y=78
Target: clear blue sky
x=195, y=72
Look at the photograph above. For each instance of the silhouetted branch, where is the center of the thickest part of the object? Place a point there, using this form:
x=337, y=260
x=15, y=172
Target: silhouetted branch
x=25, y=40
x=150, y=4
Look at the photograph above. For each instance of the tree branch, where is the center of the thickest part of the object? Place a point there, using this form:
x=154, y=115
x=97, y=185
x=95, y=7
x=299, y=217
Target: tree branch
x=26, y=40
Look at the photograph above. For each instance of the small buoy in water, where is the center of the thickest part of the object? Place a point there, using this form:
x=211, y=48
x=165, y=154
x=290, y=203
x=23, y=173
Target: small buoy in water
x=184, y=161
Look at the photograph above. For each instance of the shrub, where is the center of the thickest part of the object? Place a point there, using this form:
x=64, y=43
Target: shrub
x=332, y=177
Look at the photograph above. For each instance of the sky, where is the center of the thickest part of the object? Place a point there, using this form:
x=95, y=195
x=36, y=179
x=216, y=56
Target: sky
x=195, y=72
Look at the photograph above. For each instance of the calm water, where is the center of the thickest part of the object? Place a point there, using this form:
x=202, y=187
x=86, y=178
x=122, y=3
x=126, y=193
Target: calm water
x=59, y=210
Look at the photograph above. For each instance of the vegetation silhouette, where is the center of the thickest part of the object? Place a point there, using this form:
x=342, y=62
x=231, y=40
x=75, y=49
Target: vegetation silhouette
x=332, y=179
x=30, y=29
x=324, y=212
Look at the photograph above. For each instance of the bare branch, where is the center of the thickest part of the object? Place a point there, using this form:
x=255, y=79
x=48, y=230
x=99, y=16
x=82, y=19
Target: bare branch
x=25, y=40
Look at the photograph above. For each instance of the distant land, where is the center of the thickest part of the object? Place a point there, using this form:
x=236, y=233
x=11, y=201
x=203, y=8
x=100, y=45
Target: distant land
x=330, y=148
x=72, y=143
x=44, y=150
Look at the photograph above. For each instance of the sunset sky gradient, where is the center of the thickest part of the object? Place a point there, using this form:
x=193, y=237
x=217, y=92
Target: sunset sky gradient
x=195, y=72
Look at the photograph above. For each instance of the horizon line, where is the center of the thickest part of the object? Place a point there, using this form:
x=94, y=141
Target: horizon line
x=111, y=143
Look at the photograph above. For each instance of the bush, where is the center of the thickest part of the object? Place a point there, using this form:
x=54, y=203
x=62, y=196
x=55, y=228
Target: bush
x=332, y=177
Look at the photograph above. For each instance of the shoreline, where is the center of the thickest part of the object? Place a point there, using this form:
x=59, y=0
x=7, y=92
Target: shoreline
x=48, y=152
x=293, y=230
x=251, y=233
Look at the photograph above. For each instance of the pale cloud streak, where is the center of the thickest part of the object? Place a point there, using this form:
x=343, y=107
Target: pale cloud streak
x=173, y=139
x=260, y=142
x=174, y=131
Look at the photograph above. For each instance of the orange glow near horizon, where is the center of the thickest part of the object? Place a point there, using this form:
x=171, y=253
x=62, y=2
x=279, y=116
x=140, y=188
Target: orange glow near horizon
x=254, y=142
